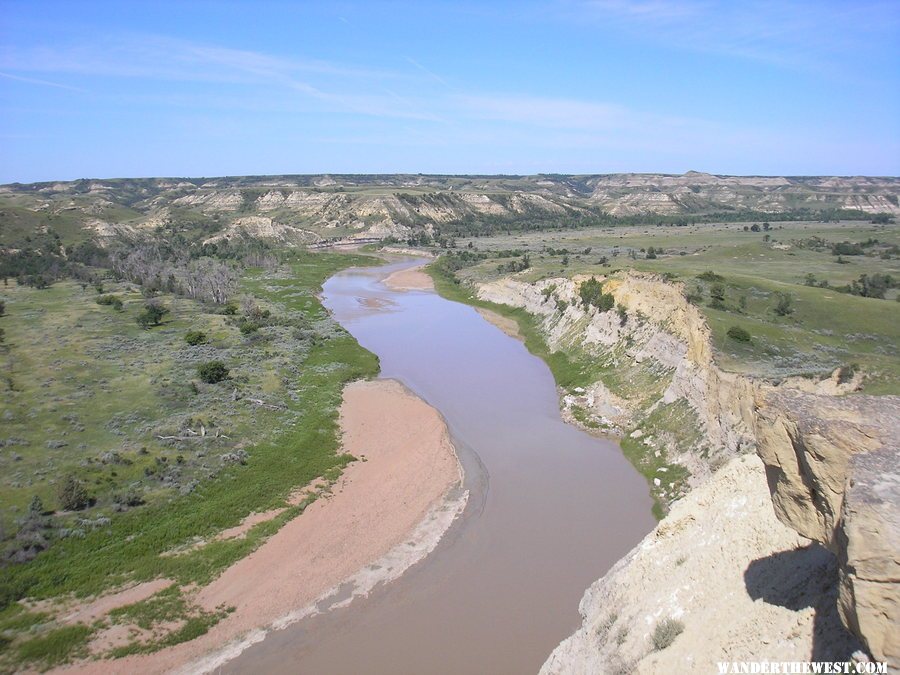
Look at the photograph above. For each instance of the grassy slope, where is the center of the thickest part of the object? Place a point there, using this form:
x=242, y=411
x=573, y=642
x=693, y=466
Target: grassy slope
x=827, y=329
x=305, y=448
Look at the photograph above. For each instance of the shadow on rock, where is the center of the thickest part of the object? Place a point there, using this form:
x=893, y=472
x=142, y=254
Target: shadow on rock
x=805, y=578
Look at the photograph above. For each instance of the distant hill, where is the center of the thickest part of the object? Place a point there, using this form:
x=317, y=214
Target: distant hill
x=310, y=208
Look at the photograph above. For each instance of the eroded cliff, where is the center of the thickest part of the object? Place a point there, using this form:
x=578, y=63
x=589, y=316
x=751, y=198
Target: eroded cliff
x=829, y=462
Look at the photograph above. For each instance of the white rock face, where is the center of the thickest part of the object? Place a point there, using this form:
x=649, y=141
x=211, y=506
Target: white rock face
x=809, y=436
x=743, y=585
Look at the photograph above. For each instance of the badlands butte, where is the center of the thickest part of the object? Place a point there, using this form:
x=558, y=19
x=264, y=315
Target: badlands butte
x=738, y=336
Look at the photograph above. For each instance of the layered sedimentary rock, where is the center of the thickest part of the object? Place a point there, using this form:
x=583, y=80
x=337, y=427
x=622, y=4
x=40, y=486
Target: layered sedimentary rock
x=832, y=466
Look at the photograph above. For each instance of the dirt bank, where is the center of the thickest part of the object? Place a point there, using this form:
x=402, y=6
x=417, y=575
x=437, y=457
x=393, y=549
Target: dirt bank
x=385, y=513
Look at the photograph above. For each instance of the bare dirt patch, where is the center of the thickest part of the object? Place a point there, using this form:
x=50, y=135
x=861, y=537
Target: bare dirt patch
x=412, y=279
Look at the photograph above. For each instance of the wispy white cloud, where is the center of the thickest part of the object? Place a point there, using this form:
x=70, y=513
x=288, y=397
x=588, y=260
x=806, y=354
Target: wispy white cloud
x=289, y=91
x=165, y=58
x=43, y=83
x=434, y=76
x=807, y=34
x=337, y=87
x=543, y=111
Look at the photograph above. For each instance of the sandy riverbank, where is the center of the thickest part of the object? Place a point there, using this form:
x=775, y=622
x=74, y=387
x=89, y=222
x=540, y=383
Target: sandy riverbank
x=412, y=279
x=386, y=512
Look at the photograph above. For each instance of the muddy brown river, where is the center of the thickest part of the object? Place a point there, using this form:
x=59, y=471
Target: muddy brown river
x=550, y=509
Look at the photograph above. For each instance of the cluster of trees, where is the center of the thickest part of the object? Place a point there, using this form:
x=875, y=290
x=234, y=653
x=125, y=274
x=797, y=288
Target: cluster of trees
x=592, y=295
x=44, y=259
x=755, y=227
x=472, y=225
x=871, y=285
x=847, y=248
x=515, y=265
x=157, y=268
x=867, y=285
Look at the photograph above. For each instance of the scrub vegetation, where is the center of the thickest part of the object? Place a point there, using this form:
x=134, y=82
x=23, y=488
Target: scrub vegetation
x=166, y=368
x=123, y=443
x=806, y=309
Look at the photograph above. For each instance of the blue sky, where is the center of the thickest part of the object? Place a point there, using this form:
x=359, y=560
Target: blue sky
x=96, y=89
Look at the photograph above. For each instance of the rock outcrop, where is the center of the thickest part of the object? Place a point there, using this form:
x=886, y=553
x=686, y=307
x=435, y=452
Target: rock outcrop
x=739, y=584
x=379, y=206
x=832, y=466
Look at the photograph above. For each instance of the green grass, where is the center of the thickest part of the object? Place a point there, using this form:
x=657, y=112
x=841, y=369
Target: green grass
x=287, y=448
x=129, y=549
x=669, y=427
x=828, y=329
x=17, y=618
x=166, y=607
x=55, y=647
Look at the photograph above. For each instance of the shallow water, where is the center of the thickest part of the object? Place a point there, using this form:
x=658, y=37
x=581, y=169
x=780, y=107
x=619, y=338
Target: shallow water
x=550, y=509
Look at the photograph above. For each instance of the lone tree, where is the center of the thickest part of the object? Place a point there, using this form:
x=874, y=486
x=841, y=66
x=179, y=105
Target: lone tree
x=212, y=372
x=152, y=315
x=72, y=495
x=738, y=334
x=195, y=337
x=785, y=304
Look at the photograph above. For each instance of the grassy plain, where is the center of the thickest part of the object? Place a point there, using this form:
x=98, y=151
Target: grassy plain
x=825, y=330
x=103, y=391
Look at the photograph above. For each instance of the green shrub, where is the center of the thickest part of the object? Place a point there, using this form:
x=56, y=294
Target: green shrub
x=212, y=372
x=711, y=276
x=230, y=309
x=665, y=633
x=738, y=334
x=591, y=293
x=247, y=327
x=114, y=300
x=195, y=337
x=784, y=306
x=846, y=248
x=72, y=494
